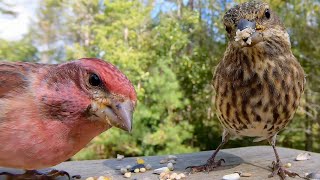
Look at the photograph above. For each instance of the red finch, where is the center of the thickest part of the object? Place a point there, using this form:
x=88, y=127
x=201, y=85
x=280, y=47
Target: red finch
x=50, y=112
x=259, y=82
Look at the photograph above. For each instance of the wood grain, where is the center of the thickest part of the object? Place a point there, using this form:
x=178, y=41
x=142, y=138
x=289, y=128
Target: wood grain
x=254, y=160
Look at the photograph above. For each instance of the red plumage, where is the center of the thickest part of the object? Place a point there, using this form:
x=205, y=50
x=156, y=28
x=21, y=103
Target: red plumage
x=114, y=79
x=49, y=112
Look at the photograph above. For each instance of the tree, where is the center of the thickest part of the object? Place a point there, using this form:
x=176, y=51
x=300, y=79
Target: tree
x=21, y=50
x=130, y=44
x=5, y=9
x=168, y=49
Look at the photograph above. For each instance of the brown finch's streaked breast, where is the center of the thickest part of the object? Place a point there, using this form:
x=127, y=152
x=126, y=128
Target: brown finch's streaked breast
x=258, y=89
x=258, y=82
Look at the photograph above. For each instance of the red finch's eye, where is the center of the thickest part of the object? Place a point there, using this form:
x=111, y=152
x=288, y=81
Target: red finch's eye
x=267, y=14
x=94, y=80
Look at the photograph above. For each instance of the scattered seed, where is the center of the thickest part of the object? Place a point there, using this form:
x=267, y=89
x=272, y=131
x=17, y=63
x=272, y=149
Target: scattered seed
x=178, y=177
x=148, y=166
x=169, y=158
x=138, y=166
x=140, y=161
x=128, y=166
x=160, y=170
x=170, y=166
x=303, y=156
x=167, y=177
x=136, y=171
x=163, y=174
x=234, y=176
x=172, y=157
x=172, y=161
x=142, y=170
x=127, y=174
x=245, y=175
x=120, y=157
x=163, y=161
x=182, y=175
x=123, y=170
x=244, y=34
x=288, y=165
x=173, y=176
x=103, y=178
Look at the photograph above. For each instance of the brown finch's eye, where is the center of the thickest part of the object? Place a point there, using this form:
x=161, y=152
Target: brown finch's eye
x=94, y=80
x=267, y=14
x=228, y=29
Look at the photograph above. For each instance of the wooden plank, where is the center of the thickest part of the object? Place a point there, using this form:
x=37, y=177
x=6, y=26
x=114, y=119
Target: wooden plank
x=254, y=160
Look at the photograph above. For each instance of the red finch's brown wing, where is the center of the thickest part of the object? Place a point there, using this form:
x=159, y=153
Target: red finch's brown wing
x=10, y=81
x=13, y=76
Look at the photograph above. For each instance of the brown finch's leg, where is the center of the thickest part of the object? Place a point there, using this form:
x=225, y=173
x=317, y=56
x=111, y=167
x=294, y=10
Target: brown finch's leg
x=277, y=167
x=33, y=174
x=211, y=163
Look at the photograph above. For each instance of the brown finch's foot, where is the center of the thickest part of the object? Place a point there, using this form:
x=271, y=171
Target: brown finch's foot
x=33, y=174
x=209, y=166
x=281, y=171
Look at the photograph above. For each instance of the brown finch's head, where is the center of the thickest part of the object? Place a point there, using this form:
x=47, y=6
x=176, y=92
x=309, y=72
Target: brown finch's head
x=89, y=89
x=254, y=23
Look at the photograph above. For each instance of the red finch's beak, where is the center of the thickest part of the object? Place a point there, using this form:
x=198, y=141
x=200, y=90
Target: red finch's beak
x=119, y=114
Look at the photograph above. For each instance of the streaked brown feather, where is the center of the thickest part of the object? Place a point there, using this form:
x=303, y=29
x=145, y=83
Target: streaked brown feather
x=258, y=88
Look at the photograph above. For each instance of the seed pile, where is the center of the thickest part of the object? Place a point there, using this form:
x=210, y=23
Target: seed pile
x=166, y=173
x=139, y=167
x=244, y=35
x=99, y=178
x=171, y=176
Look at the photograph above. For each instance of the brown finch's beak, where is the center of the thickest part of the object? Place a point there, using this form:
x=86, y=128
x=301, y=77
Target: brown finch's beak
x=243, y=24
x=119, y=114
x=255, y=33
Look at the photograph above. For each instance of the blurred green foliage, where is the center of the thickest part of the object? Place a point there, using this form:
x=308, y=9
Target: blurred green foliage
x=17, y=50
x=168, y=49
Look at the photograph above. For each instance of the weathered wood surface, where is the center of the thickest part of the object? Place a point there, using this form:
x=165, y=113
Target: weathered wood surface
x=255, y=160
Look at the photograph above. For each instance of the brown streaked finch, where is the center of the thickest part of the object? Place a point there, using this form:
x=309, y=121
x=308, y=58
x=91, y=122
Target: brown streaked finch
x=258, y=83
x=50, y=112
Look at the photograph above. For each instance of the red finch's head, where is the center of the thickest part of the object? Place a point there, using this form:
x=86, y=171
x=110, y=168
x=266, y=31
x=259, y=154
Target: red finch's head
x=113, y=95
x=90, y=88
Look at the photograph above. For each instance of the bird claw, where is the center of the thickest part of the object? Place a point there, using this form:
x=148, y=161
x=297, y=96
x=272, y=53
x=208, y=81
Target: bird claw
x=209, y=166
x=56, y=173
x=281, y=171
x=33, y=174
